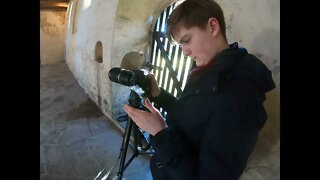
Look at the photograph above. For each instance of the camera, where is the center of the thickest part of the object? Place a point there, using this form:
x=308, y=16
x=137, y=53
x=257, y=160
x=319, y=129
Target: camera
x=133, y=78
x=130, y=77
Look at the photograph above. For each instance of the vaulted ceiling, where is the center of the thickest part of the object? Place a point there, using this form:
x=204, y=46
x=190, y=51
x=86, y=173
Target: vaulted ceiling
x=54, y=4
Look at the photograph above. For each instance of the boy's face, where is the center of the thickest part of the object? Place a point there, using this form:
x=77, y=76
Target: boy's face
x=197, y=43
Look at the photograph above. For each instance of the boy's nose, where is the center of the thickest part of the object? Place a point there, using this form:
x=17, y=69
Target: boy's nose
x=186, y=51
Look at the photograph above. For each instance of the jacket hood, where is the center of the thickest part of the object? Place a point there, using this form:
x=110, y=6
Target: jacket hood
x=246, y=66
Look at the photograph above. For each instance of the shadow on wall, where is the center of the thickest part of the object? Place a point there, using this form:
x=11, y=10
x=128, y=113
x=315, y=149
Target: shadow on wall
x=132, y=61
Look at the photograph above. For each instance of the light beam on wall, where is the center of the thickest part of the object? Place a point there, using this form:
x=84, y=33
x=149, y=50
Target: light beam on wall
x=69, y=13
x=63, y=5
x=86, y=4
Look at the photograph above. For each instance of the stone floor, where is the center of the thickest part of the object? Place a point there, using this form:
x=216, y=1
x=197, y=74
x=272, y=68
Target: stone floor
x=76, y=140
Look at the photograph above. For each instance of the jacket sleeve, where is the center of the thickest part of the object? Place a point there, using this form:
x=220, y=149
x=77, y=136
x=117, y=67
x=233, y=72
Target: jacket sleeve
x=226, y=144
x=165, y=100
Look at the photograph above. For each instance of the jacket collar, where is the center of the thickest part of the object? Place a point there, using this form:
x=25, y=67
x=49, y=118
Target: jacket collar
x=223, y=63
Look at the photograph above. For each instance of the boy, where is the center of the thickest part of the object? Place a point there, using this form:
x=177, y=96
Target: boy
x=212, y=128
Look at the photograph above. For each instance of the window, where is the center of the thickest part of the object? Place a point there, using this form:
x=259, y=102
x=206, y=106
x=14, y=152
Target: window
x=171, y=67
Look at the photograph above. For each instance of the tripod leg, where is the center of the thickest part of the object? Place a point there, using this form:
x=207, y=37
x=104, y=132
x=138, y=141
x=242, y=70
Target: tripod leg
x=134, y=146
x=124, y=147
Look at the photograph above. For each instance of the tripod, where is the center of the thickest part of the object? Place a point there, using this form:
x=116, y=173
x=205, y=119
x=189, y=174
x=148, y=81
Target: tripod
x=134, y=101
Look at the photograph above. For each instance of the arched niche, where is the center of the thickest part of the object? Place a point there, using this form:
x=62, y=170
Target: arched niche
x=98, y=56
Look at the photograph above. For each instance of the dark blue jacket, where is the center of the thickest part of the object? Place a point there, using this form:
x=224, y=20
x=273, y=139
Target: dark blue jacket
x=213, y=126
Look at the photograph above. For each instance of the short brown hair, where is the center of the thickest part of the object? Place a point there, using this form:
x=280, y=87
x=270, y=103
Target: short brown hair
x=194, y=13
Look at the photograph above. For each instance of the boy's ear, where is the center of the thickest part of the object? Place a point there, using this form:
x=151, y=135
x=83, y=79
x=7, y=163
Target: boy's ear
x=214, y=26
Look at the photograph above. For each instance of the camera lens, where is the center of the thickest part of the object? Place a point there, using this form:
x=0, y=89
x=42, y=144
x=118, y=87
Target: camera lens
x=122, y=76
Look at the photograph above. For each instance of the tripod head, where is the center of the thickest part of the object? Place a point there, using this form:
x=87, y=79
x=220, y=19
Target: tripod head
x=136, y=100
